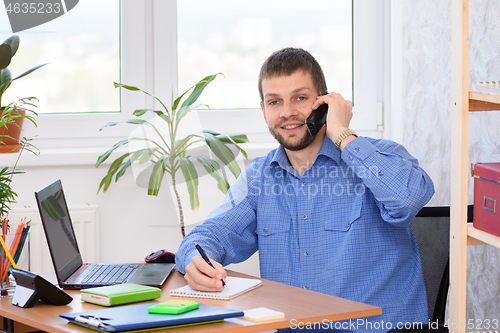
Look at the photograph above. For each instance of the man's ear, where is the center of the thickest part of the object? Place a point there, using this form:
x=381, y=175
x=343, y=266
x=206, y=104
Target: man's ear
x=263, y=111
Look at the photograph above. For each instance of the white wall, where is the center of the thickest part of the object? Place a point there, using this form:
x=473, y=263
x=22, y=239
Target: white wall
x=132, y=223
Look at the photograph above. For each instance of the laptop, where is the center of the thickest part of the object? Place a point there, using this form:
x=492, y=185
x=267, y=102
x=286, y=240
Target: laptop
x=71, y=271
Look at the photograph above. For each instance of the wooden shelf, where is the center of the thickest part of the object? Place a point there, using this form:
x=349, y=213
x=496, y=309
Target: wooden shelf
x=483, y=102
x=479, y=237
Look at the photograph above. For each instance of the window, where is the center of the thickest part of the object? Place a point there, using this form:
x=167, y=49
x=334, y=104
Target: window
x=83, y=60
x=235, y=37
x=79, y=127
x=149, y=60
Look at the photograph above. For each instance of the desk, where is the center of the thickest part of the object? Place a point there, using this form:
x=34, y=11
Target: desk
x=299, y=305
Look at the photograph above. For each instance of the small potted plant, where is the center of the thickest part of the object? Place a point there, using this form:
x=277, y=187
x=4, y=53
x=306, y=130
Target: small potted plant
x=11, y=117
x=7, y=194
x=168, y=153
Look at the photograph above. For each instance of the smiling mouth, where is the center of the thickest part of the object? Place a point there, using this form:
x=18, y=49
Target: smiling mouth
x=292, y=126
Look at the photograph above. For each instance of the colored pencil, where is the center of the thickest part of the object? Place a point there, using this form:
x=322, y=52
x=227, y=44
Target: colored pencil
x=13, y=248
x=22, y=241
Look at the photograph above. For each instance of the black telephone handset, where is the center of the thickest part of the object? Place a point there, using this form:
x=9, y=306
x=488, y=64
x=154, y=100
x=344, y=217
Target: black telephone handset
x=317, y=119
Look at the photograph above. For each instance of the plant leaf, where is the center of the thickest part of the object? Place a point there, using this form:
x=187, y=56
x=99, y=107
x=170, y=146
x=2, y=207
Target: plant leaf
x=147, y=155
x=132, y=88
x=135, y=155
x=113, y=168
x=185, y=110
x=156, y=176
x=105, y=156
x=234, y=139
x=6, y=80
x=128, y=121
x=215, y=171
x=13, y=41
x=141, y=112
x=191, y=177
x=223, y=153
x=29, y=71
x=5, y=55
x=198, y=89
x=178, y=99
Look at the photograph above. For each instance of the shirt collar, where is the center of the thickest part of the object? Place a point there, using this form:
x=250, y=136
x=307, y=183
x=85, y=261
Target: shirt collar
x=327, y=149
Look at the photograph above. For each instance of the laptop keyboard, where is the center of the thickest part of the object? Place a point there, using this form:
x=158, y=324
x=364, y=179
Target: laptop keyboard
x=109, y=274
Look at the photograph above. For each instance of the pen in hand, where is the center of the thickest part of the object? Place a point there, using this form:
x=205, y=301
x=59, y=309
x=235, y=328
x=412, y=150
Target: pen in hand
x=207, y=260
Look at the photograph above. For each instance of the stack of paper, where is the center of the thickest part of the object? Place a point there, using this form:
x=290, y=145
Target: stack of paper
x=259, y=315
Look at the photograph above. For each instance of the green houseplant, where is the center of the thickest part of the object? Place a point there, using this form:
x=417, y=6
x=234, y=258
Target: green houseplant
x=9, y=115
x=168, y=153
x=10, y=130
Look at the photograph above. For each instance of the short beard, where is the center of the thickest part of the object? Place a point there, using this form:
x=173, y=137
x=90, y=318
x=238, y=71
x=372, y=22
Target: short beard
x=304, y=142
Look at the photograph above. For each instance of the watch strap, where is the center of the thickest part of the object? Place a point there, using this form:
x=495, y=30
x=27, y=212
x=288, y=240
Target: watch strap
x=344, y=135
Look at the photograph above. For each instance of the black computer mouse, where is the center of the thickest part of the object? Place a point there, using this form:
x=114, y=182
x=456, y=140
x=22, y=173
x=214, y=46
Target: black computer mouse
x=160, y=256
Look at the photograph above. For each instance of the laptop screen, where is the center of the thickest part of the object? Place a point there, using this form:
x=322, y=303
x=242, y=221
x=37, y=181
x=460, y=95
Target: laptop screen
x=59, y=231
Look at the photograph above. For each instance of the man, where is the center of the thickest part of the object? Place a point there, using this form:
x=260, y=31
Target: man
x=329, y=213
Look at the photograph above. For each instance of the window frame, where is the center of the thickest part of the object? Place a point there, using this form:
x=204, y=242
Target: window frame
x=149, y=61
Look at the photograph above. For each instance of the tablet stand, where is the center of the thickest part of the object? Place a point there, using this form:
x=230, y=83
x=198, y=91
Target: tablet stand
x=31, y=287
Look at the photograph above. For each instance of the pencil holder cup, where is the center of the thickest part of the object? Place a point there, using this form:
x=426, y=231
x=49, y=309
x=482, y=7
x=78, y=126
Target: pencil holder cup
x=18, y=246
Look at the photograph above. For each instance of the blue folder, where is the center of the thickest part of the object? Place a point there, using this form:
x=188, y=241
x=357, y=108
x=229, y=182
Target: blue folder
x=136, y=317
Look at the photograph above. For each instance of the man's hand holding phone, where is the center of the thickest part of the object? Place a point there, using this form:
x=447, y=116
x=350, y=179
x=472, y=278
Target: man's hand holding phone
x=338, y=117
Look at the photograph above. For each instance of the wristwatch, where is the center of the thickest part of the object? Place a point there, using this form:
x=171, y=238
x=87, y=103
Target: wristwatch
x=344, y=135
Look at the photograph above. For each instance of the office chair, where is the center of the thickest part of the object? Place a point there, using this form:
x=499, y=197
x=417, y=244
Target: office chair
x=431, y=227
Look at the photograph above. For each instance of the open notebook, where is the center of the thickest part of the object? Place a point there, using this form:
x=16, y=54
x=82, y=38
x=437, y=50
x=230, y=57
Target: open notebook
x=235, y=287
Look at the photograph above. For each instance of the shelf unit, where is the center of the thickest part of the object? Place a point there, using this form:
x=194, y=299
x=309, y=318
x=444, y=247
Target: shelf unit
x=463, y=102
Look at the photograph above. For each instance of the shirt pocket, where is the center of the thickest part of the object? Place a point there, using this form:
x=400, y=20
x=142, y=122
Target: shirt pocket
x=342, y=220
x=272, y=227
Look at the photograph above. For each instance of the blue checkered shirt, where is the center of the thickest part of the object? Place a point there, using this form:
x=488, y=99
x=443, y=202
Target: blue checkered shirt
x=341, y=229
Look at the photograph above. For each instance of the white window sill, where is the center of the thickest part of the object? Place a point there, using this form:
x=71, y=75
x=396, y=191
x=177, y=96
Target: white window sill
x=88, y=156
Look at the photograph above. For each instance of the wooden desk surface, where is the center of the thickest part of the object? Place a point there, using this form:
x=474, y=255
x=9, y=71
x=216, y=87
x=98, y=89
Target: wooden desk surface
x=299, y=305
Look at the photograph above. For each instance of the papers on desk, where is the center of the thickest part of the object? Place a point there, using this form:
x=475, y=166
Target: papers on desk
x=235, y=287
x=136, y=317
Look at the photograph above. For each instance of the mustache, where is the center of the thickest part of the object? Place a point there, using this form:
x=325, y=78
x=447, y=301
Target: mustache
x=300, y=120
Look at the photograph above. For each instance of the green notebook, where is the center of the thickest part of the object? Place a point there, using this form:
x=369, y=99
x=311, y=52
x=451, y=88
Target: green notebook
x=120, y=294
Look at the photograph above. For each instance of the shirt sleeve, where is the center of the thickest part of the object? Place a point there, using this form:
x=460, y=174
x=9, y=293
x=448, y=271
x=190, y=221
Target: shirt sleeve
x=399, y=185
x=228, y=233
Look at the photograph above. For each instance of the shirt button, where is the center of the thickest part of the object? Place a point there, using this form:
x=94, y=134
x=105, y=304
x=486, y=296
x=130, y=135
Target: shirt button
x=381, y=173
x=303, y=183
x=304, y=217
x=306, y=254
x=306, y=287
x=350, y=157
x=356, y=150
x=265, y=229
x=347, y=225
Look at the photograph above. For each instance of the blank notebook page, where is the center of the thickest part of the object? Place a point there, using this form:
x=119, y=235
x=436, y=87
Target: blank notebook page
x=235, y=287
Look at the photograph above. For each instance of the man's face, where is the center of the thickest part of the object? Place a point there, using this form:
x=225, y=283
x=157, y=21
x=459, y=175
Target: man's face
x=287, y=103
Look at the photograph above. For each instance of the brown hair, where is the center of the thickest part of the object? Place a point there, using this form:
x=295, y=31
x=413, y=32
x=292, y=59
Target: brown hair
x=289, y=60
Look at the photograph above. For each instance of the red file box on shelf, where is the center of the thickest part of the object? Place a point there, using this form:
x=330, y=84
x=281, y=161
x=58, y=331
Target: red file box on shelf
x=486, y=194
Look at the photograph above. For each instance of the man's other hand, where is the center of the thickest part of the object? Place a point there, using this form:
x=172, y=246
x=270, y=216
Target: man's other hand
x=200, y=276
